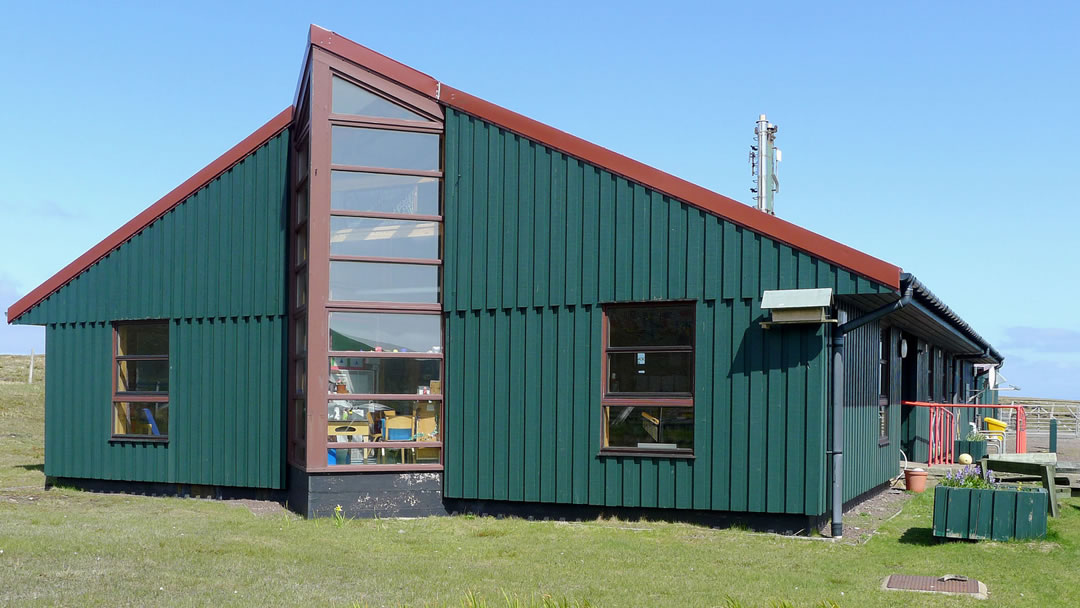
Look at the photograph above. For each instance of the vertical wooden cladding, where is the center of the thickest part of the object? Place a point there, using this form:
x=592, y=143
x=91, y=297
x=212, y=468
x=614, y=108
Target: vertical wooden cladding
x=536, y=243
x=529, y=226
x=867, y=464
x=226, y=412
x=220, y=253
x=214, y=266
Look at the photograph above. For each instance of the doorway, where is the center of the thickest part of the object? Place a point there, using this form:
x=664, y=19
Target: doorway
x=908, y=349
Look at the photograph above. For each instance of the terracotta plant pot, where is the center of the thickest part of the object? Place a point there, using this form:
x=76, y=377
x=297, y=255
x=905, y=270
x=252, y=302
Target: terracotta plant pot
x=915, y=480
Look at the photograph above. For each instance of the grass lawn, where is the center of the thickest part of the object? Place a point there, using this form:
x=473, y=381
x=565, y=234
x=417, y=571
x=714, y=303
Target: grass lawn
x=74, y=548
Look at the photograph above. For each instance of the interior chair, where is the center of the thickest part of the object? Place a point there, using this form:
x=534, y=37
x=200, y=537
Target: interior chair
x=427, y=429
x=399, y=428
x=347, y=432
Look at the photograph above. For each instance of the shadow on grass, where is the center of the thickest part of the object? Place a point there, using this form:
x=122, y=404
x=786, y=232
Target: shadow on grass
x=918, y=536
x=31, y=467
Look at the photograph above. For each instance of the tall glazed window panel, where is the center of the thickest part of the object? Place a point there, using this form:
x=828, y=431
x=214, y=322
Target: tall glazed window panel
x=377, y=278
x=647, y=392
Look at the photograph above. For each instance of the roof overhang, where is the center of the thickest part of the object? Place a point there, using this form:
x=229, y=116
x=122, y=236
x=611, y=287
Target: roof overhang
x=929, y=318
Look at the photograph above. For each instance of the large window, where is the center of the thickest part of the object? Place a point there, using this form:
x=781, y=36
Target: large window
x=141, y=381
x=648, y=397
x=385, y=360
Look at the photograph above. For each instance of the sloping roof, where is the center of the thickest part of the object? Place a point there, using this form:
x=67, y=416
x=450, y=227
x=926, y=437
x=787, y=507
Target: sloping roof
x=677, y=188
x=152, y=213
x=687, y=192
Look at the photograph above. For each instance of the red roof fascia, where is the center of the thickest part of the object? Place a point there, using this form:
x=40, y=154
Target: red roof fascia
x=152, y=213
x=692, y=194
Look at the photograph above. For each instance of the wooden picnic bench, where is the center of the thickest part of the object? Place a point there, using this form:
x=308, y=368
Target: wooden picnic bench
x=1044, y=471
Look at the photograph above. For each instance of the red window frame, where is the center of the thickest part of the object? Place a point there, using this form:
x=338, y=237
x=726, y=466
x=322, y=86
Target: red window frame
x=652, y=400
x=119, y=396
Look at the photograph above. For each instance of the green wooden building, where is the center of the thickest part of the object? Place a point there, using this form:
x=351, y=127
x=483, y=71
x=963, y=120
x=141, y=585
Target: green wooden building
x=403, y=299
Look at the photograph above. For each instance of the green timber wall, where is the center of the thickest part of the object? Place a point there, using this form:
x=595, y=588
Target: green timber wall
x=867, y=464
x=215, y=268
x=535, y=243
x=226, y=409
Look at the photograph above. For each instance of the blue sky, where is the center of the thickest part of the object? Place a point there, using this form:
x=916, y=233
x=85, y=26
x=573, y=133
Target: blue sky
x=941, y=137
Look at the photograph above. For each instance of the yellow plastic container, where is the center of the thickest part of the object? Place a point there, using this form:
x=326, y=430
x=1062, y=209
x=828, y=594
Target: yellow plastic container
x=993, y=424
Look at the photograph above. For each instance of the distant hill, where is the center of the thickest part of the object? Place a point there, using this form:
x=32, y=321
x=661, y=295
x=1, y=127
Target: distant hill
x=16, y=368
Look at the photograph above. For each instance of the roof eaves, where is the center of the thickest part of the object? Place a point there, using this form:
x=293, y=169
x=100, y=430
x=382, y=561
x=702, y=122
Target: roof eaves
x=122, y=234
x=927, y=298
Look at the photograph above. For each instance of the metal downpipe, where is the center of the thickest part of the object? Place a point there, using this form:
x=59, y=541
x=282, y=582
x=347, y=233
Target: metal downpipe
x=837, y=344
x=838, y=427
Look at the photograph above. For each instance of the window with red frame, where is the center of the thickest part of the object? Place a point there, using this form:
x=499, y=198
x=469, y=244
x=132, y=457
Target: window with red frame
x=141, y=381
x=648, y=392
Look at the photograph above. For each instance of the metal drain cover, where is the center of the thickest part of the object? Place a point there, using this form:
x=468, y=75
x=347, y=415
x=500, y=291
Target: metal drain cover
x=949, y=584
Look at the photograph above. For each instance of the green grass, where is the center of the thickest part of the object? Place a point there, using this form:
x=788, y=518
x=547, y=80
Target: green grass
x=74, y=548
x=16, y=368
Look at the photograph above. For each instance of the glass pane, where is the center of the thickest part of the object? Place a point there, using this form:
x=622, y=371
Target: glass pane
x=300, y=337
x=301, y=376
x=362, y=331
x=651, y=326
x=378, y=421
x=301, y=246
x=382, y=282
x=302, y=160
x=353, y=191
x=342, y=456
x=649, y=372
x=141, y=419
x=361, y=236
x=302, y=205
x=142, y=376
x=299, y=419
x=366, y=375
x=650, y=428
x=301, y=289
x=384, y=148
x=142, y=339
x=351, y=99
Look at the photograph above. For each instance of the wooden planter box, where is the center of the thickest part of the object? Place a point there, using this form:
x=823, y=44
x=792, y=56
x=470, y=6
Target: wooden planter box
x=977, y=449
x=989, y=514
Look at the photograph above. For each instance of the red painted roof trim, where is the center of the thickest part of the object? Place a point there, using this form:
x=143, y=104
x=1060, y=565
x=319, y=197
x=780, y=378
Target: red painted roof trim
x=152, y=213
x=692, y=194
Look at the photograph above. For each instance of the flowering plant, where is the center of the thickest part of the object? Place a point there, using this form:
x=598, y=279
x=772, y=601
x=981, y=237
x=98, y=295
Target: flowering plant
x=970, y=477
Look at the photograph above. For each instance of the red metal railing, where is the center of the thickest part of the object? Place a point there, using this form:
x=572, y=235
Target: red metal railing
x=943, y=428
x=1021, y=430
x=942, y=435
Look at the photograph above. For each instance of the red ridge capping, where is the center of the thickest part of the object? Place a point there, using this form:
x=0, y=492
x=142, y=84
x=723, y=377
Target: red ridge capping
x=687, y=192
x=152, y=213
x=374, y=62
